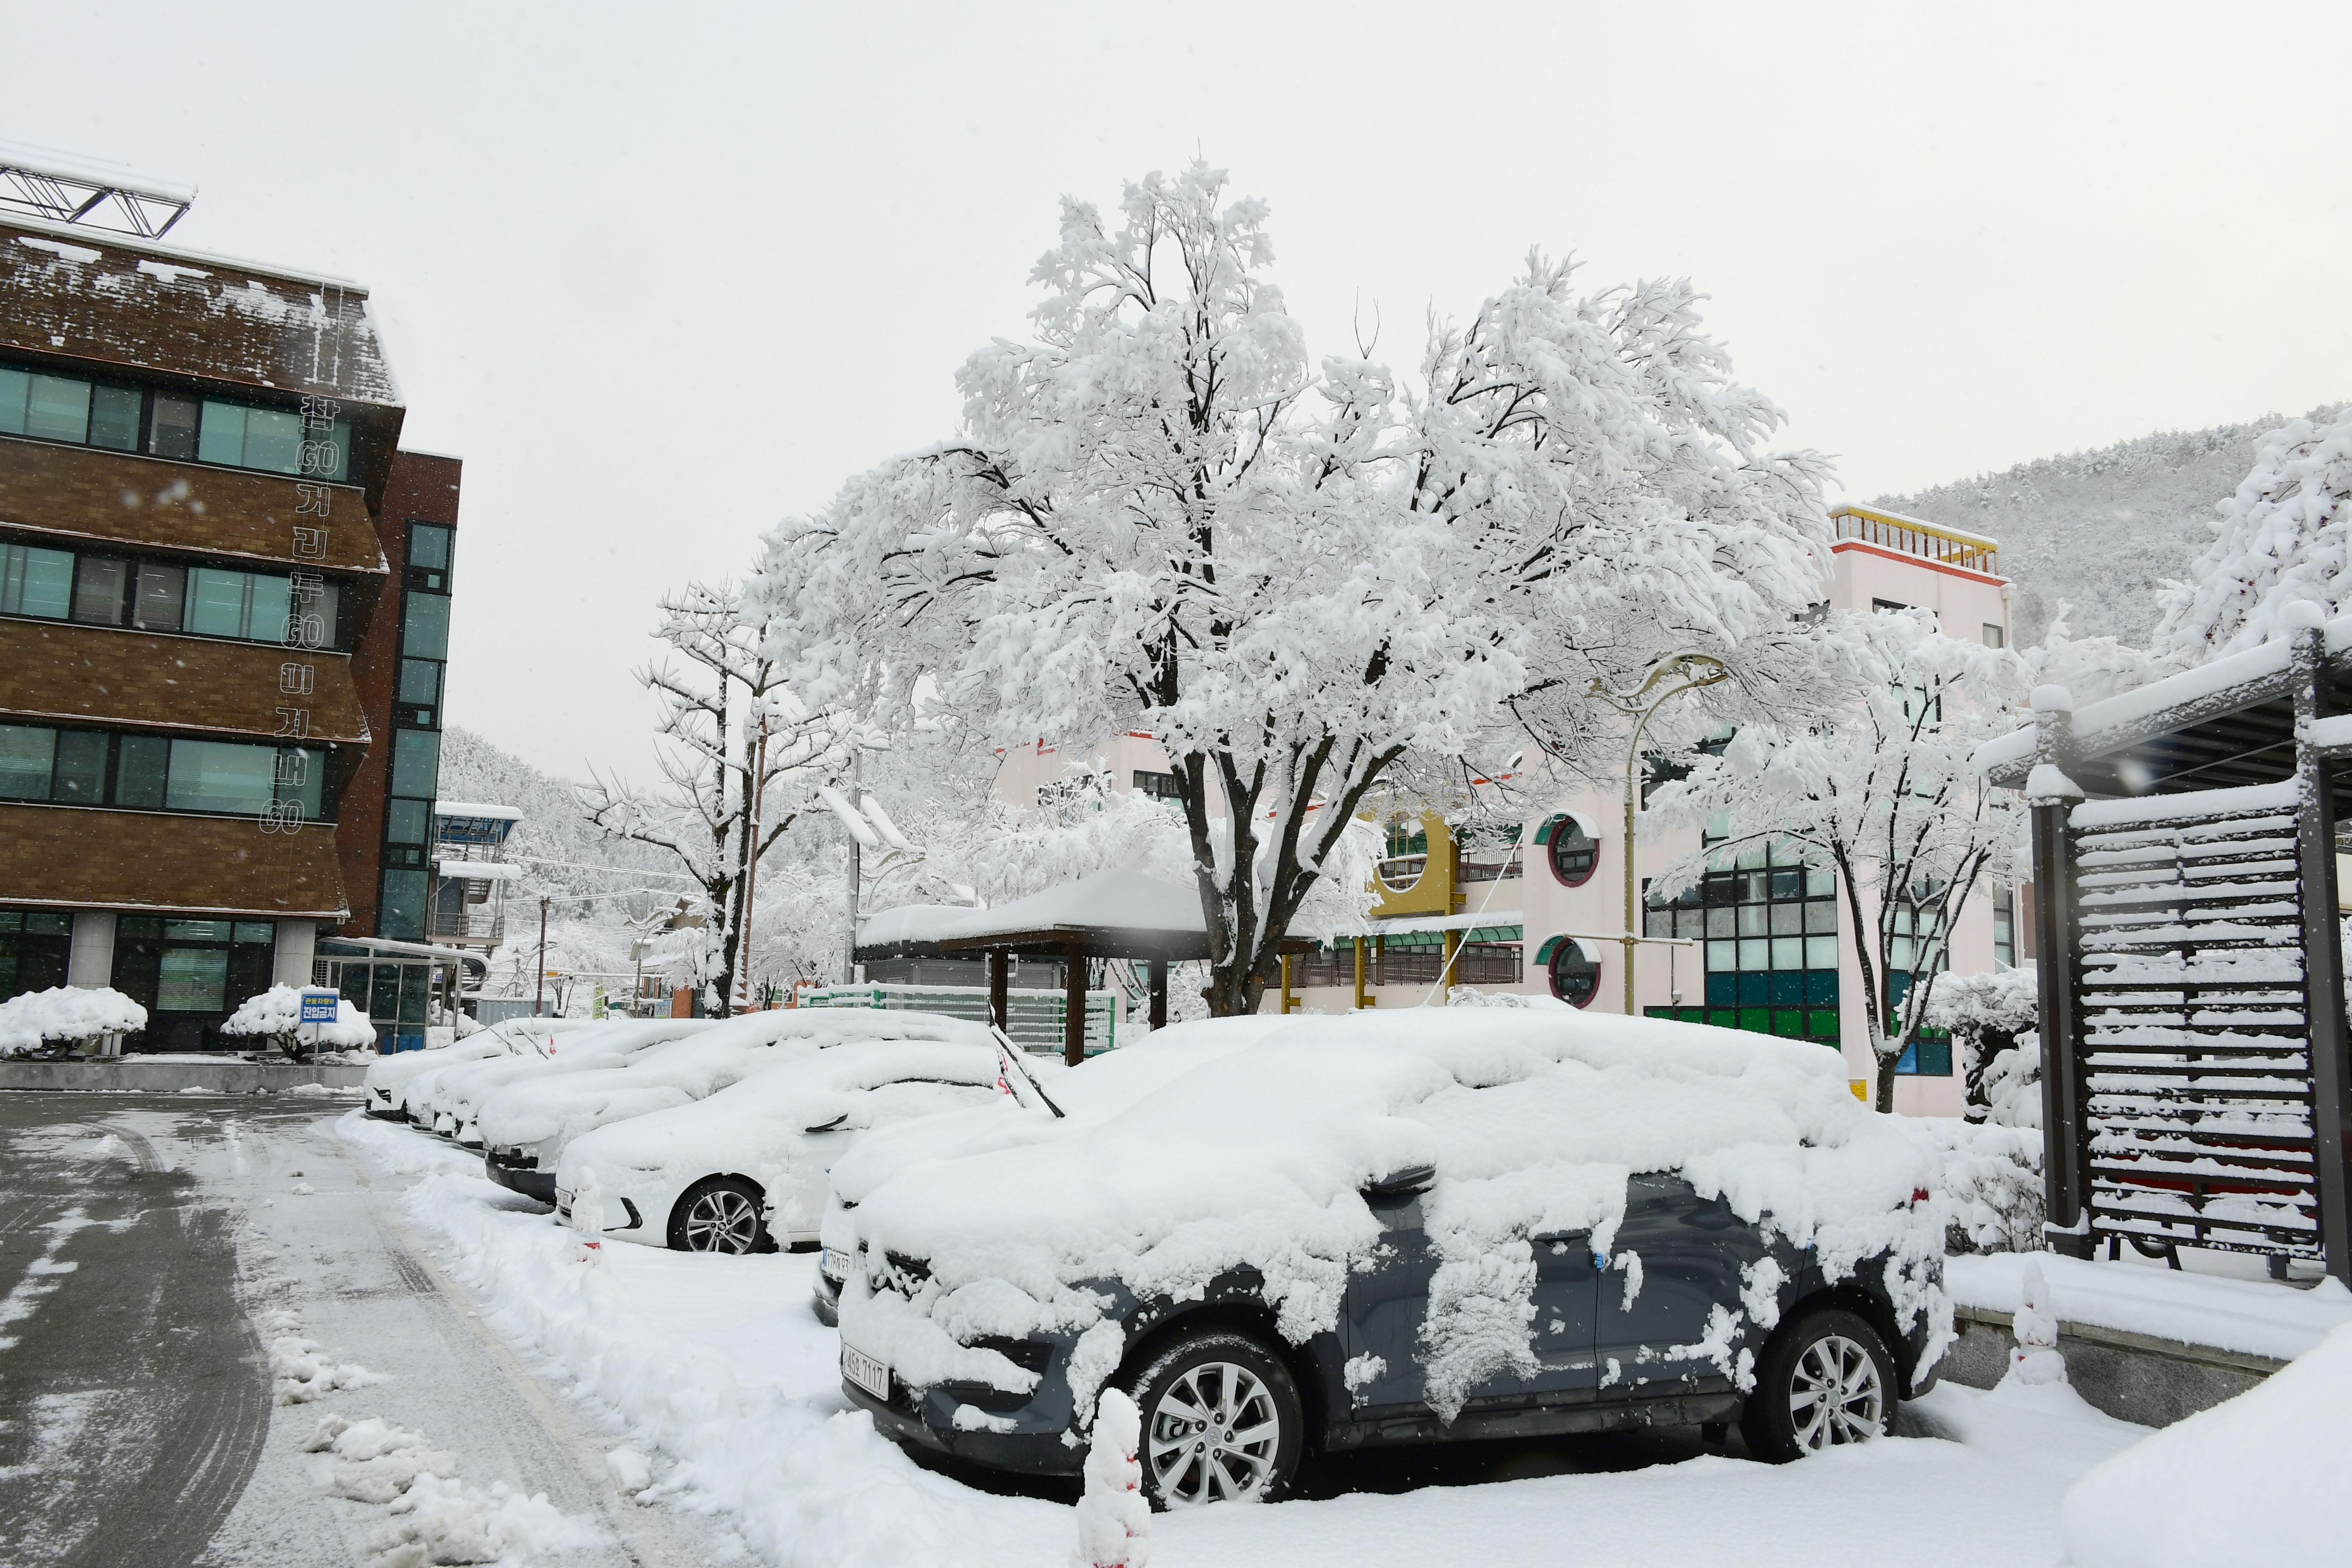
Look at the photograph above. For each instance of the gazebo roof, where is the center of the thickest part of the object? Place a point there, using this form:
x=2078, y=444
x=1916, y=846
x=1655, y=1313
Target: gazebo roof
x=1112, y=914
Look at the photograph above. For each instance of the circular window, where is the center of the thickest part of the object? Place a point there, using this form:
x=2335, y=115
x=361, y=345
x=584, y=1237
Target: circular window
x=1575, y=975
x=1574, y=852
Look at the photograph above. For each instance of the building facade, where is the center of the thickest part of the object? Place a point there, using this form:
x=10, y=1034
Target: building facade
x=224, y=610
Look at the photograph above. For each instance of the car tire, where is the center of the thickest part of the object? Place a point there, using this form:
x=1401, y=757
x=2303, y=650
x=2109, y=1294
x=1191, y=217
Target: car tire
x=1194, y=1394
x=721, y=1214
x=1826, y=1381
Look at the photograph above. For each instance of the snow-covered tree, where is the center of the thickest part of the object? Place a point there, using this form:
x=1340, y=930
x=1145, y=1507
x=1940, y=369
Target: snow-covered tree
x=2286, y=536
x=1986, y=1014
x=1160, y=516
x=732, y=736
x=1884, y=792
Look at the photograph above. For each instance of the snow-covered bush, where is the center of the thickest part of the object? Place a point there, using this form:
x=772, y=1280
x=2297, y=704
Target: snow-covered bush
x=1985, y=1014
x=2012, y=1084
x=1986, y=1181
x=274, y=1016
x=66, y=1012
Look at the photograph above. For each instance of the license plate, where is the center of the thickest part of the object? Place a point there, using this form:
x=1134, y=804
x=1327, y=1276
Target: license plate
x=865, y=1372
x=836, y=1263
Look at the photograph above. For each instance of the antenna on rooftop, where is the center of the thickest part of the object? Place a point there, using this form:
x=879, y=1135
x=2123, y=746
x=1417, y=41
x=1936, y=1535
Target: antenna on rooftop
x=58, y=188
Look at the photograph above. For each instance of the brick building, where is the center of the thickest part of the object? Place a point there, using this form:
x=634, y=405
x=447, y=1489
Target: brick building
x=223, y=620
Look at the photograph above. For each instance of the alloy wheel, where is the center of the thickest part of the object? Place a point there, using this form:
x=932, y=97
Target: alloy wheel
x=721, y=1220
x=1835, y=1396
x=1213, y=1436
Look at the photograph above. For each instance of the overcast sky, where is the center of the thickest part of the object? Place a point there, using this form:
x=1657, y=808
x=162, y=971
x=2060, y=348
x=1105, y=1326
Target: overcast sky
x=662, y=275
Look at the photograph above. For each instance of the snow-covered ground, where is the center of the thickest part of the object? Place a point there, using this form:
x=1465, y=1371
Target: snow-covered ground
x=722, y=1398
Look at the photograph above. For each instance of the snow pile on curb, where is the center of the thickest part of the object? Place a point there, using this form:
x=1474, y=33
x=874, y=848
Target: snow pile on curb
x=1533, y=1120
x=807, y=1482
x=301, y=1371
x=66, y=1012
x=279, y=1011
x=2253, y=1482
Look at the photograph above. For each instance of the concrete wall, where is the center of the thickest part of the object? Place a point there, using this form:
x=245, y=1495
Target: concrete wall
x=170, y=1077
x=2133, y=1377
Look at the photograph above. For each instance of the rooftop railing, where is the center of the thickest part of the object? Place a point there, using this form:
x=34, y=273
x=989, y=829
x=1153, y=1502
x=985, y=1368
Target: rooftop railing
x=1910, y=536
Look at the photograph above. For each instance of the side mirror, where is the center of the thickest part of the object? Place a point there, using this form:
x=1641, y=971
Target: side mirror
x=1398, y=1187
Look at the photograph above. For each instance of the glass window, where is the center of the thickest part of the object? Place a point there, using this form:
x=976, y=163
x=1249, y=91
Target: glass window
x=25, y=752
x=420, y=681
x=35, y=581
x=14, y=386
x=82, y=767
x=99, y=584
x=273, y=440
x=173, y=432
x=161, y=592
x=59, y=409
x=222, y=438
x=140, y=762
x=428, y=545
x=416, y=763
x=220, y=775
x=302, y=779
x=196, y=930
x=114, y=418
x=400, y=912
x=269, y=597
x=425, y=634
x=405, y=821
x=217, y=601
x=1574, y=852
x=1575, y=978
x=263, y=931
x=193, y=979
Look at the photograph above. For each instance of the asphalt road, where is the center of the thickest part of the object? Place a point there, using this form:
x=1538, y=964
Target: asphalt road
x=144, y=1240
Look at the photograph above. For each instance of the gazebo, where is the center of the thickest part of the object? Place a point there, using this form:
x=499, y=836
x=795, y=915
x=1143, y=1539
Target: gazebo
x=1115, y=915
x=2196, y=1084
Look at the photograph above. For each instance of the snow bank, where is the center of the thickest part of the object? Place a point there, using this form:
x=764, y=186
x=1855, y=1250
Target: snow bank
x=2249, y=1316
x=66, y=1012
x=1533, y=1120
x=279, y=1011
x=2251, y=1481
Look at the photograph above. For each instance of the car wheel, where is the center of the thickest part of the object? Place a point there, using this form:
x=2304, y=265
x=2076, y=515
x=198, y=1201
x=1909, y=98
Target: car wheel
x=721, y=1214
x=1826, y=1382
x=1222, y=1421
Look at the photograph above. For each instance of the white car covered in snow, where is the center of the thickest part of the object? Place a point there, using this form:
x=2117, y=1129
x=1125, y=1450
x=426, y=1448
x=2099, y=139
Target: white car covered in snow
x=747, y=1168
x=450, y=1100
x=1046, y=1099
x=526, y=1126
x=388, y=1077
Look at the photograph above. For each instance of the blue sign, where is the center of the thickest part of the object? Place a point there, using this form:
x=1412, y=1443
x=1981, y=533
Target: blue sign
x=320, y=1007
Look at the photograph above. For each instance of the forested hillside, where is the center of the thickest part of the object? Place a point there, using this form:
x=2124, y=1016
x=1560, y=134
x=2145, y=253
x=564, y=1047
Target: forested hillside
x=2099, y=529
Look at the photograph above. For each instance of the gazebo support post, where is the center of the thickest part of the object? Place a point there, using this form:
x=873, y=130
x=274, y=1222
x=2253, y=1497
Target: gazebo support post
x=1000, y=1010
x=1073, y=1006
x=2066, y=1193
x=1157, y=971
x=1288, y=1003
x=1362, y=1001
x=2322, y=954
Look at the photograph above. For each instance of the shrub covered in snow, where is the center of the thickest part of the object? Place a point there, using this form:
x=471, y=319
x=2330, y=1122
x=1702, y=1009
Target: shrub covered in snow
x=276, y=1017
x=1986, y=1179
x=65, y=1013
x=1985, y=1014
x=1533, y=1119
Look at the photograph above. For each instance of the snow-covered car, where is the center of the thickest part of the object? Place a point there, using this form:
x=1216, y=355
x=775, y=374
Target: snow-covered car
x=449, y=1101
x=1094, y=1089
x=747, y=1168
x=388, y=1077
x=525, y=1127
x=1438, y=1226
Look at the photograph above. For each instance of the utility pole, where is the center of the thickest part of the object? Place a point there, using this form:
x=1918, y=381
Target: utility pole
x=856, y=797
x=539, y=996
x=751, y=869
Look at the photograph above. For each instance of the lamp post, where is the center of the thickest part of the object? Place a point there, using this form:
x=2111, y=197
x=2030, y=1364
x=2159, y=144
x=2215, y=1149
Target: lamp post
x=1686, y=672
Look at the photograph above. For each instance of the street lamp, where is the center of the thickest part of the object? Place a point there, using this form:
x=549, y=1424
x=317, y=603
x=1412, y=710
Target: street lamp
x=1687, y=672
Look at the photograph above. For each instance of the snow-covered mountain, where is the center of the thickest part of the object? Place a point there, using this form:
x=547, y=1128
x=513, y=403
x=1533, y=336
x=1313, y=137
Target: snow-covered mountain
x=554, y=843
x=2099, y=529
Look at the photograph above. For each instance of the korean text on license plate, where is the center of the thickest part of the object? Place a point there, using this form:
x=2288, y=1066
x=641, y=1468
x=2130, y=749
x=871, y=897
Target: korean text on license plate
x=836, y=1263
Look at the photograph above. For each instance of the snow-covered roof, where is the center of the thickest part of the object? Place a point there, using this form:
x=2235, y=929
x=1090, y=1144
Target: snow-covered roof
x=2235, y=681
x=475, y=808
x=1113, y=901
x=463, y=871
